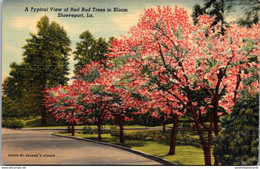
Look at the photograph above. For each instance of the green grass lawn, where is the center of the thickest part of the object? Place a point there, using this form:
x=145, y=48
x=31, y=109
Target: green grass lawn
x=92, y=126
x=185, y=154
x=34, y=122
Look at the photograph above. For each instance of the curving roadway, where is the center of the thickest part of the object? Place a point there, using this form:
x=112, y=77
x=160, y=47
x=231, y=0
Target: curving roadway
x=39, y=147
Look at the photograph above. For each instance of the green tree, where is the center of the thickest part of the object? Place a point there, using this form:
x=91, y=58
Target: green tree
x=221, y=8
x=217, y=8
x=10, y=108
x=252, y=12
x=45, y=64
x=14, y=89
x=13, y=86
x=90, y=49
x=237, y=144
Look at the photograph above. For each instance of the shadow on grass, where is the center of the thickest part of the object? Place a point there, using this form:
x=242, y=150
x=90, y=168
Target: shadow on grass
x=115, y=140
x=96, y=139
x=36, y=122
x=134, y=143
x=165, y=155
x=93, y=138
x=33, y=123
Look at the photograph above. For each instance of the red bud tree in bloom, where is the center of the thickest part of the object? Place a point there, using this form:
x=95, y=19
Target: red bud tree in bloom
x=95, y=95
x=104, y=97
x=60, y=101
x=81, y=102
x=89, y=85
x=178, y=59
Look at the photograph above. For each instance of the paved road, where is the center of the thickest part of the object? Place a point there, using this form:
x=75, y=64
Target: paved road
x=24, y=147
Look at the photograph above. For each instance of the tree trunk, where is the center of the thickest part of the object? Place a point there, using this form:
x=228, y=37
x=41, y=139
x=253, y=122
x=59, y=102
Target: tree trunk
x=72, y=129
x=164, y=123
x=216, y=126
x=207, y=154
x=99, y=131
x=174, y=134
x=216, y=161
x=205, y=146
x=69, y=128
x=114, y=122
x=164, y=127
x=120, y=119
x=43, y=116
x=206, y=150
x=216, y=134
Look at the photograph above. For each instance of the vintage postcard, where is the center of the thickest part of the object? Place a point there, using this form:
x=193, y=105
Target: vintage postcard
x=130, y=83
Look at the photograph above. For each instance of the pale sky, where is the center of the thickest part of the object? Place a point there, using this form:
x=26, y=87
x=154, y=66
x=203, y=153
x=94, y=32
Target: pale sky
x=18, y=23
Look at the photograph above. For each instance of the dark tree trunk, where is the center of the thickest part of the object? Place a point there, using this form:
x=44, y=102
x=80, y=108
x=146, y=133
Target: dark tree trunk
x=164, y=123
x=216, y=134
x=72, y=129
x=43, y=116
x=216, y=161
x=174, y=134
x=216, y=126
x=207, y=155
x=205, y=146
x=215, y=101
x=215, y=113
x=164, y=129
x=120, y=119
x=69, y=128
x=99, y=131
x=206, y=150
x=114, y=121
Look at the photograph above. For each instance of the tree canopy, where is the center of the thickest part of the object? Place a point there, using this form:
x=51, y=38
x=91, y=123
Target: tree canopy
x=90, y=49
x=45, y=64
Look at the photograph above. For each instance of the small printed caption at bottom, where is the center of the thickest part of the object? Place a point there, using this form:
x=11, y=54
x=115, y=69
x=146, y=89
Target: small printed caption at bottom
x=31, y=155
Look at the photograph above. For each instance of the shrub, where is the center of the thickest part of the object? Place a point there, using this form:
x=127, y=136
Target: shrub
x=13, y=123
x=237, y=144
x=186, y=125
x=114, y=131
x=183, y=137
x=136, y=135
x=89, y=130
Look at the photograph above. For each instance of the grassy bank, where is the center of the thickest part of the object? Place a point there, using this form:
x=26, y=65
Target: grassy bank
x=185, y=154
